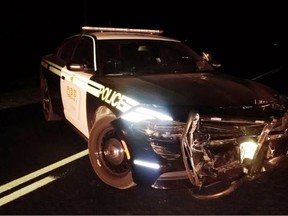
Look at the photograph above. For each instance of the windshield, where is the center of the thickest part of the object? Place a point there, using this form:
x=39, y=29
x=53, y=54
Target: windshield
x=118, y=57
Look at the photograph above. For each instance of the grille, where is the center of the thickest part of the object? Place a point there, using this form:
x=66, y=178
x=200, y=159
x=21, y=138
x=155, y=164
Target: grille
x=224, y=131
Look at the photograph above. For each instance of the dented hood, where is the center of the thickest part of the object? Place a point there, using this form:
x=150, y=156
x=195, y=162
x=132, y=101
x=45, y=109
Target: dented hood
x=190, y=89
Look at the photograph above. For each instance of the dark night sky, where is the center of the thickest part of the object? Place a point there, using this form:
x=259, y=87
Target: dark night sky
x=30, y=29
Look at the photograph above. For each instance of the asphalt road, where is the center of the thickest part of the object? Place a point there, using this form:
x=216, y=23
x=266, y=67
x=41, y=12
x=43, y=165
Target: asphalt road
x=28, y=144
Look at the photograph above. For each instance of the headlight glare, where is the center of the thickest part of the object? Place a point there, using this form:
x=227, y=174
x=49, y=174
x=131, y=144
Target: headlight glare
x=141, y=113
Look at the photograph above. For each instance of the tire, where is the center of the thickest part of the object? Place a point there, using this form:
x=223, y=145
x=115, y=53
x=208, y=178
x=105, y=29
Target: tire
x=47, y=106
x=107, y=155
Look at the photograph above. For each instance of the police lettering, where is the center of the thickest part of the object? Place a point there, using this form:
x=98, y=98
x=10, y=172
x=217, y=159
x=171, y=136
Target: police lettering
x=110, y=97
x=116, y=99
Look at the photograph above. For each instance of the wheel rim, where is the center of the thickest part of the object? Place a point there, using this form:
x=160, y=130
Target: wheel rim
x=46, y=99
x=111, y=153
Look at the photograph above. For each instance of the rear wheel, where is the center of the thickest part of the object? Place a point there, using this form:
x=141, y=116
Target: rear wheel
x=108, y=155
x=46, y=101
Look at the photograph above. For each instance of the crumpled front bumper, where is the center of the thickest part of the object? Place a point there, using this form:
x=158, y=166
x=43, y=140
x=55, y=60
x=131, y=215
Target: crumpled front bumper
x=215, y=149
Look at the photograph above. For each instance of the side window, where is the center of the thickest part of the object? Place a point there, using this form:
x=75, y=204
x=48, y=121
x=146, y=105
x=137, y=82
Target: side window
x=66, y=49
x=83, y=53
x=110, y=57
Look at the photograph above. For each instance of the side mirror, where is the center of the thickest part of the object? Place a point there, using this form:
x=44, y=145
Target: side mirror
x=75, y=67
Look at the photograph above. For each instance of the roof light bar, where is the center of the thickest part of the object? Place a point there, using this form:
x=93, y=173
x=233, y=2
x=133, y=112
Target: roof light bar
x=102, y=29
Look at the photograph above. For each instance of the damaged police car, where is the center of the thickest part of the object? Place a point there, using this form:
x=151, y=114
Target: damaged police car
x=155, y=113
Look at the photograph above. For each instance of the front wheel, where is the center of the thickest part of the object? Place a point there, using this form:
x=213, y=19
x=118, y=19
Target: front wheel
x=108, y=155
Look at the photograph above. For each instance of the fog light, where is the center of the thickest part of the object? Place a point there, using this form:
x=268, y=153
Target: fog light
x=248, y=150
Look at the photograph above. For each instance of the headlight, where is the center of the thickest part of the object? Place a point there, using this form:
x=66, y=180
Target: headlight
x=142, y=113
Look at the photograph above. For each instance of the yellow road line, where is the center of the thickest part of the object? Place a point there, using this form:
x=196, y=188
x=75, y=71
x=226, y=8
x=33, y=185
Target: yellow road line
x=42, y=171
x=23, y=191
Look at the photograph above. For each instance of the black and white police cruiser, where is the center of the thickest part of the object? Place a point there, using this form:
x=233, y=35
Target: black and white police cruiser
x=155, y=113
